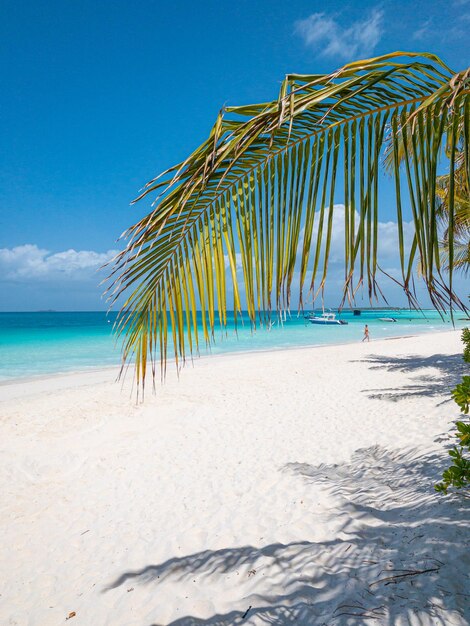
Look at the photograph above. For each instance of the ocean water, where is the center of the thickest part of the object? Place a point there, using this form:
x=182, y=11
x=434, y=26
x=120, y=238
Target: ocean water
x=35, y=344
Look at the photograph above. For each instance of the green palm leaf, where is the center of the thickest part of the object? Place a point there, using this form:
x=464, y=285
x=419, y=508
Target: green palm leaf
x=251, y=210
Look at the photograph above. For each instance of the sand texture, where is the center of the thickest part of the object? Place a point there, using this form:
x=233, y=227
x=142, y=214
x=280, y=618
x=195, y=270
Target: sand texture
x=291, y=487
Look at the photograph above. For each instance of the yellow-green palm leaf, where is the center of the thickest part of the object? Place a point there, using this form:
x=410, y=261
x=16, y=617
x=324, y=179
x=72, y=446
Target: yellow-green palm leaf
x=253, y=205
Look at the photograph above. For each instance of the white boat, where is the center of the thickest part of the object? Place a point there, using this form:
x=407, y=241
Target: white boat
x=325, y=319
x=387, y=319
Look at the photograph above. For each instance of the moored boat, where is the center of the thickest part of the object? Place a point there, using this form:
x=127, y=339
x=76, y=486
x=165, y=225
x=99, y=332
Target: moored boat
x=326, y=319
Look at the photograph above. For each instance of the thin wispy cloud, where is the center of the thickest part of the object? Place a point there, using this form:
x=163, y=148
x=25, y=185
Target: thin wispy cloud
x=435, y=30
x=327, y=36
x=423, y=31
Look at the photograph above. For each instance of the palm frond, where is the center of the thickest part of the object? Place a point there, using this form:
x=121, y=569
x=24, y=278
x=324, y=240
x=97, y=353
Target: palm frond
x=251, y=210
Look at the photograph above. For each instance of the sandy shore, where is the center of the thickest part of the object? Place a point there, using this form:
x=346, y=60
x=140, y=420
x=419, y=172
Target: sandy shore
x=269, y=488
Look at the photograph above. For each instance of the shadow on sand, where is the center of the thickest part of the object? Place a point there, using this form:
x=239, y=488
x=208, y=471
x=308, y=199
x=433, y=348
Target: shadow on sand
x=401, y=556
x=444, y=372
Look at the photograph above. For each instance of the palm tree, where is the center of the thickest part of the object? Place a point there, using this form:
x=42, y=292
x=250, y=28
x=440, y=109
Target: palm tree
x=461, y=237
x=252, y=208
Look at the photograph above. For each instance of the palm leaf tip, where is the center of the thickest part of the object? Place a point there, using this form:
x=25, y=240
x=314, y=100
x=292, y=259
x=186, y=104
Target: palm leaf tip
x=251, y=211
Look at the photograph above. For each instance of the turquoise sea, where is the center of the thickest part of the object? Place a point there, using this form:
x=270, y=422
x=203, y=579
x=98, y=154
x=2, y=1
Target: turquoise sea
x=34, y=344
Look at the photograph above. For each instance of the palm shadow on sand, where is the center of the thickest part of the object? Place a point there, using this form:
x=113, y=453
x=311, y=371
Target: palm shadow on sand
x=431, y=376
x=401, y=556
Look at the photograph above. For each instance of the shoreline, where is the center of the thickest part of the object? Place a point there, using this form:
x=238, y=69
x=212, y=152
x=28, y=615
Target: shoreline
x=91, y=370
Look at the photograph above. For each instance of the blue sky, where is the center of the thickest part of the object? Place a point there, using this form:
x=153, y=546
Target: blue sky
x=98, y=97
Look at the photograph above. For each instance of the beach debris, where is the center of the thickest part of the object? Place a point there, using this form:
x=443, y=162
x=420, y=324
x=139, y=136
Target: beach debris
x=357, y=610
x=70, y=615
x=251, y=572
x=246, y=612
x=397, y=577
x=131, y=589
x=85, y=532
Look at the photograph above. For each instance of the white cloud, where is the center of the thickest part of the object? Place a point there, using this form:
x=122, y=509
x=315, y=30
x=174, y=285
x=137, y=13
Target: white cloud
x=388, y=246
x=323, y=33
x=27, y=262
x=387, y=236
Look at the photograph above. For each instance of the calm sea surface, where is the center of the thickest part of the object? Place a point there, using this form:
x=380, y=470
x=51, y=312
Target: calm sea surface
x=33, y=344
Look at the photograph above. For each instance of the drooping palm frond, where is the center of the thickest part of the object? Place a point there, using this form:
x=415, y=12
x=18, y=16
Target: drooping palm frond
x=460, y=198
x=260, y=193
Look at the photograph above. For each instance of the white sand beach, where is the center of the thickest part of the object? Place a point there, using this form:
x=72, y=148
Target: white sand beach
x=289, y=487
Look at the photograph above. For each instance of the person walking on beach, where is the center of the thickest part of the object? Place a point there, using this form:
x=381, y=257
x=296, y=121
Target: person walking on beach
x=366, y=333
